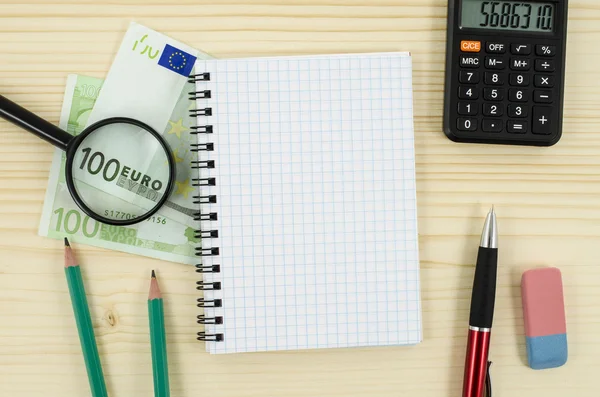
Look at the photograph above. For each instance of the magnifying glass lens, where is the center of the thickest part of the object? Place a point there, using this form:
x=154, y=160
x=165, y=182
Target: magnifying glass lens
x=120, y=171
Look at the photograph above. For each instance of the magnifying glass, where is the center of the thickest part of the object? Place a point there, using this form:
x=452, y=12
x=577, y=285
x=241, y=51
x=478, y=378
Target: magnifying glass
x=119, y=171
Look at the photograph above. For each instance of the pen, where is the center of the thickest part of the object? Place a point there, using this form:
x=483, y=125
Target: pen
x=482, y=312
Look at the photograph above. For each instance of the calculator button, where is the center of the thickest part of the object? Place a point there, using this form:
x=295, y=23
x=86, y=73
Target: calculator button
x=520, y=80
x=467, y=124
x=493, y=94
x=490, y=109
x=470, y=46
x=516, y=95
x=520, y=49
x=542, y=81
x=469, y=61
x=467, y=108
x=468, y=77
x=520, y=63
x=495, y=48
x=542, y=96
x=494, y=78
x=494, y=63
x=544, y=65
x=541, y=120
x=545, y=50
x=516, y=127
x=492, y=126
x=517, y=111
x=468, y=93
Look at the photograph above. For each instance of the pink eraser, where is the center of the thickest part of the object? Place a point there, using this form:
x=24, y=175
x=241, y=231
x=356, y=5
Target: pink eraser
x=545, y=322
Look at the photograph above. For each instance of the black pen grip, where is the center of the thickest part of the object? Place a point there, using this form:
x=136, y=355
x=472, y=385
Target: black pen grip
x=484, y=288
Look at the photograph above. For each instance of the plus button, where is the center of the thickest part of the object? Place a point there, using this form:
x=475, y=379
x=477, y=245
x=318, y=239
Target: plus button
x=542, y=120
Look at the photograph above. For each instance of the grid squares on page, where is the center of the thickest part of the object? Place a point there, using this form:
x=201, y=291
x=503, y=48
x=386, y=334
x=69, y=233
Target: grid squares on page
x=316, y=202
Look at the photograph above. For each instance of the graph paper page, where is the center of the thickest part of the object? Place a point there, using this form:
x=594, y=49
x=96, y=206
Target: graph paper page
x=316, y=203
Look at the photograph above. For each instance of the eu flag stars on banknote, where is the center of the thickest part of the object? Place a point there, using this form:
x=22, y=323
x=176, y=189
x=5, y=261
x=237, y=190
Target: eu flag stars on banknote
x=177, y=60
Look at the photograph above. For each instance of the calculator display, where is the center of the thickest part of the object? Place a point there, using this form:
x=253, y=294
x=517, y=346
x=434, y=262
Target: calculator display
x=508, y=15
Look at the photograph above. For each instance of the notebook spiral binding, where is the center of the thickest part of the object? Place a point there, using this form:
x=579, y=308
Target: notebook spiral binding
x=208, y=250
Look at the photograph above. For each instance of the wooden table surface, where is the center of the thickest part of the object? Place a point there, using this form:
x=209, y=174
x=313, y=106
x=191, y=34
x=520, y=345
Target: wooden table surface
x=547, y=199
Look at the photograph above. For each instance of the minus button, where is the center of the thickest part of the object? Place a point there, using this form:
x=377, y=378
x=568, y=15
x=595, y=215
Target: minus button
x=541, y=96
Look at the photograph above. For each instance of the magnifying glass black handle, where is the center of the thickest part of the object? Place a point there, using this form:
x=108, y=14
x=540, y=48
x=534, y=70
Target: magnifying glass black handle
x=23, y=118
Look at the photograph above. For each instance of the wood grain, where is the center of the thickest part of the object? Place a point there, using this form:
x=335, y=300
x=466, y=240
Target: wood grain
x=548, y=201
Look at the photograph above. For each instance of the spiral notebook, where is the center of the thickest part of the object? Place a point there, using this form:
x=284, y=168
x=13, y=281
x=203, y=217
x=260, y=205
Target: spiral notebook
x=307, y=201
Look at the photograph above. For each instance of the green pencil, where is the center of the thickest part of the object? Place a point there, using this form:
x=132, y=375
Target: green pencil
x=84, y=324
x=158, y=340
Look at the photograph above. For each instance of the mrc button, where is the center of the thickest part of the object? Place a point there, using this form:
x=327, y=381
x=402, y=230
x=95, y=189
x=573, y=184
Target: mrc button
x=469, y=61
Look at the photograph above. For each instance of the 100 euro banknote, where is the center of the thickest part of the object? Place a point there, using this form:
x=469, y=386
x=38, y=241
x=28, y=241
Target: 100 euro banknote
x=170, y=233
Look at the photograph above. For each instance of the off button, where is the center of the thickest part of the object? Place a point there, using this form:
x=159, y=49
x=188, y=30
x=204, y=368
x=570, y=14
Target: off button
x=470, y=46
x=495, y=48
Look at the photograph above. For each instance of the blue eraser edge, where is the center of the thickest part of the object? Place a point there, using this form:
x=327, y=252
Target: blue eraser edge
x=545, y=352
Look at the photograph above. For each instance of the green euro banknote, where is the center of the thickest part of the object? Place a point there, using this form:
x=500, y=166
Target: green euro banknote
x=170, y=233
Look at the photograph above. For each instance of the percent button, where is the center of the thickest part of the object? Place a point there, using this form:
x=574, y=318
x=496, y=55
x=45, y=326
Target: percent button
x=545, y=50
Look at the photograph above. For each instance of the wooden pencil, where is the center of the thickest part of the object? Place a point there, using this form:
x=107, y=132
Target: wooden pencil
x=158, y=340
x=84, y=324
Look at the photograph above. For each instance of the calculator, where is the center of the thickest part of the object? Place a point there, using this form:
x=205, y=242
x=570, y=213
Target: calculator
x=505, y=71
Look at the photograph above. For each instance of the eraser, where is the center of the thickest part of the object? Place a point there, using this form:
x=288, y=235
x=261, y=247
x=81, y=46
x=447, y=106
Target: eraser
x=545, y=322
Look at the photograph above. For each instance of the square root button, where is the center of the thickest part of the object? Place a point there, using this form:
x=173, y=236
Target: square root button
x=520, y=49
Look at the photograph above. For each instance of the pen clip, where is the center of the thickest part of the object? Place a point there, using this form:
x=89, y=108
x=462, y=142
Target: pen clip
x=488, y=381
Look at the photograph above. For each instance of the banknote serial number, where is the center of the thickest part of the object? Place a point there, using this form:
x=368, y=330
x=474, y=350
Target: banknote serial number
x=118, y=215
x=112, y=214
x=157, y=219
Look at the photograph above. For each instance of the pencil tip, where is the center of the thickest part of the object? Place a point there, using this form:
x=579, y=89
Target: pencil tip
x=69, y=257
x=154, y=289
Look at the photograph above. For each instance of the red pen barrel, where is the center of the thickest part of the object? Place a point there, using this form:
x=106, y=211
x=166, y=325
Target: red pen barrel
x=476, y=362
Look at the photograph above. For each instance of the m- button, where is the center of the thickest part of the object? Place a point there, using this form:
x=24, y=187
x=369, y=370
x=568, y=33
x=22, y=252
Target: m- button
x=494, y=63
x=495, y=48
x=470, y=46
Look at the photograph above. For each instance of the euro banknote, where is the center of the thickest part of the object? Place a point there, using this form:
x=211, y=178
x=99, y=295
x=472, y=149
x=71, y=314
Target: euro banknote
x=160, y=236
x=148, y=81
